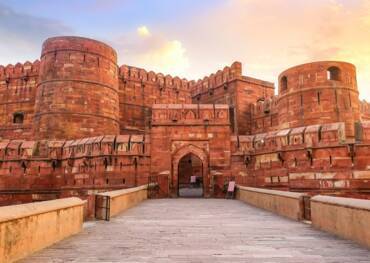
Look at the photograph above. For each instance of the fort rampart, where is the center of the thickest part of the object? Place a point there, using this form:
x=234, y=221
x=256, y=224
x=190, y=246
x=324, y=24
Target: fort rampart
x=75, y=124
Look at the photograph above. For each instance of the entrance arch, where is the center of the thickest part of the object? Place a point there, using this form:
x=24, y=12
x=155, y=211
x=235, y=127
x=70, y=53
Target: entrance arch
x=190, y=176
x=199, y=155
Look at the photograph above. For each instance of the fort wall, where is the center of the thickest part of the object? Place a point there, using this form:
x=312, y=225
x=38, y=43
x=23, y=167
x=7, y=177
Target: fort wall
x=76, y=124
x=18, y=85
x=139, y=90
x=44, y=170
x=229, y=86
x=316, y=159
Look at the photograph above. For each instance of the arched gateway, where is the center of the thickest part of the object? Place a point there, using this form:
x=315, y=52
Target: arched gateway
x=190, y=161
x=202, y=136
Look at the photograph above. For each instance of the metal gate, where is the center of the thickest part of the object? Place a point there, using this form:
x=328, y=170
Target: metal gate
x=153, y=186
x=102, y=207
x=307, y=208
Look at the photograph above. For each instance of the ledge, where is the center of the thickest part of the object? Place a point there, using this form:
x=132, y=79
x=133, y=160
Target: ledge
x=116, y=193
x=343, y=202
x=348, y=218
x=13, y=212
x=109, y=204
x=272, y=192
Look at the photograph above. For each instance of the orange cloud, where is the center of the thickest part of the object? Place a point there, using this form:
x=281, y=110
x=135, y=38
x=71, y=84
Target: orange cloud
x=270, y=36
x=168, y=58
x=266, y=36
x=152, y=51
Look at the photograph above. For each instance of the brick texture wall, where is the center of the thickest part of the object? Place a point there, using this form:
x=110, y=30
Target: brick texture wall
x=77, y=94
x=75, y=123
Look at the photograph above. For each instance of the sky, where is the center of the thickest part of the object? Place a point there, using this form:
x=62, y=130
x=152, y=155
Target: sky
x=194, y=38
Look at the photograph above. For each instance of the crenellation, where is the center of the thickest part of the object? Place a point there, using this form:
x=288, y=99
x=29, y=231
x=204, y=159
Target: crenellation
x=365, y=110
x=219, y=78
x=326, y=135
x=9, y=70
x=19, y=71
x=139, y=92
x=216, y=80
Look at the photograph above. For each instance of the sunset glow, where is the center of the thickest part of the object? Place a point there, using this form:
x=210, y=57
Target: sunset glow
x=194, y=38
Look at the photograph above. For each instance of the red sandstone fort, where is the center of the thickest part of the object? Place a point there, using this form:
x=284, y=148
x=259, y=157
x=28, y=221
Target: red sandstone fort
x=74, y=123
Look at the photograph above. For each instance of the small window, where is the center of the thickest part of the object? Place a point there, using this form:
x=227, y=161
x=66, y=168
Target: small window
x=283, y=83
x=333, y=73
x=18, y=118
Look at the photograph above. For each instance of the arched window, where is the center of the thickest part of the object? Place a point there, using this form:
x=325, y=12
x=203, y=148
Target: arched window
x=18, y=118
x=333, y=73
x=283, y=83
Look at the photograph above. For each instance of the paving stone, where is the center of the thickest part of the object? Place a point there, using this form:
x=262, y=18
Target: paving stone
x=201, y=230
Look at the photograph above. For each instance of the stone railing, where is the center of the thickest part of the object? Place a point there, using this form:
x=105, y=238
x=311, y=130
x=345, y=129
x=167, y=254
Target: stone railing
x=27, y=228
x=346, y=217
x=284, y=203
x=109, y=204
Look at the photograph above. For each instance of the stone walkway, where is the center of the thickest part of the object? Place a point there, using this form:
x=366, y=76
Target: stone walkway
x=201, y=230
x=196, y=192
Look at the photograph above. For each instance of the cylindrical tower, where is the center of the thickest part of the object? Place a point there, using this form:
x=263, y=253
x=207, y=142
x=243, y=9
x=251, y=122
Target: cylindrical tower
x=318, y=93
x=77, y=94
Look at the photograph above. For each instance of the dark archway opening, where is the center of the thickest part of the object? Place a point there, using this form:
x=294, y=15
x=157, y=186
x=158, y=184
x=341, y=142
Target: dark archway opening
x=283, y=84
x=333, y=73
x=190, y=176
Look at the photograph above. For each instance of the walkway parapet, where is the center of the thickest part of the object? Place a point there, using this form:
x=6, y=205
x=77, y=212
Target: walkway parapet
x=109, y=204
x=284, y=203
x=345, y=217
x=27, y=228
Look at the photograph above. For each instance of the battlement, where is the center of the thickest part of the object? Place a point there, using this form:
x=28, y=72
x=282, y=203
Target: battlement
x=216, y=80
x=129, y=73
x=64, y=149
x=325, y=135
x=365, y=110
x=222, y=77
x=19, y=71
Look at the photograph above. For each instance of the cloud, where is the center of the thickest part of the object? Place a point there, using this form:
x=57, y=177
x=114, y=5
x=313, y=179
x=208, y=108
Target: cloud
x=152, y=51
x=143, y=31
x=270, y=36
x=170, y=57
x=266, y=36
x=22, y=35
